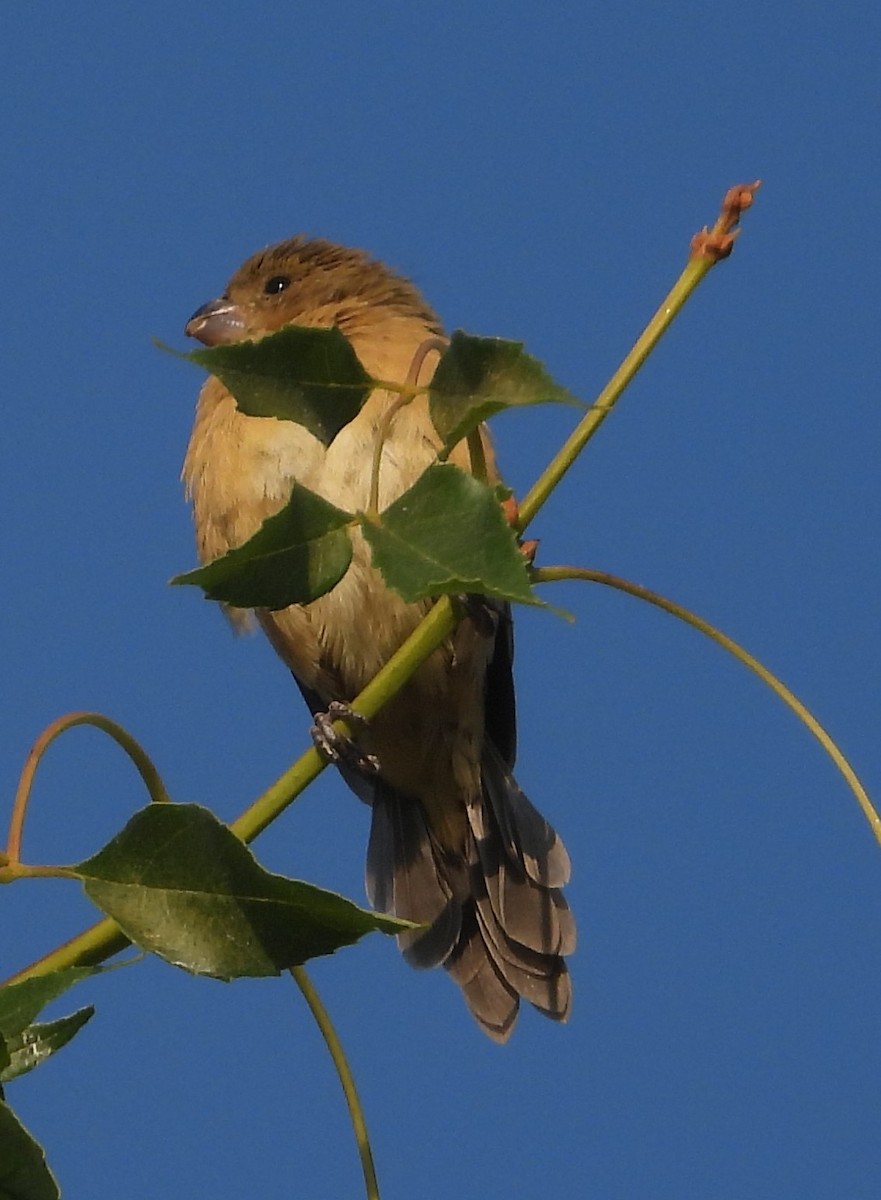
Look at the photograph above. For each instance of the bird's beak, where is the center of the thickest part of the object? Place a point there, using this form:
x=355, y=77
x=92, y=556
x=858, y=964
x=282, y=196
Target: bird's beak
x=217, y=323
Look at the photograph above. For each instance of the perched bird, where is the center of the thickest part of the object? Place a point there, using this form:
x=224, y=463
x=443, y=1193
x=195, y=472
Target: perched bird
x=454, y=844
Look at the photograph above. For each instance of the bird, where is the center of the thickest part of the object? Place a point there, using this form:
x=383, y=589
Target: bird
x=455, y=845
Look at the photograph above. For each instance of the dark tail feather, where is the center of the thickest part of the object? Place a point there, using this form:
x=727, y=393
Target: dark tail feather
x=405, y=877
x=496, y=917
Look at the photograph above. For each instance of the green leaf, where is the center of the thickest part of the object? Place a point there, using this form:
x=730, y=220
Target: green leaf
x=179, y=883
x=479, y=376
x=311, y=376
x=23, y=1171
x=21, y=1003
x=33, y=1045
x=26, y=1044
x=447, y=533
x=295, y=556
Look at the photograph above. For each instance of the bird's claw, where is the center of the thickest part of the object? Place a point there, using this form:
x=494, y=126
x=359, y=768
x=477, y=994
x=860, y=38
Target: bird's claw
x=337, y=746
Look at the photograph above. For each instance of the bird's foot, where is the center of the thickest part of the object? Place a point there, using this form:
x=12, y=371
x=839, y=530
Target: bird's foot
x=337, y=746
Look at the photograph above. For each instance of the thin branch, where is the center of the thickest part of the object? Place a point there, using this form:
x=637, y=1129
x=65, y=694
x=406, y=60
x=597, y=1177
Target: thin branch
x=19, y=870
x=707, y=248
x=409, y=390
x=554, y=574
x=122, y=737
x=347, y=1080
x=105, y=938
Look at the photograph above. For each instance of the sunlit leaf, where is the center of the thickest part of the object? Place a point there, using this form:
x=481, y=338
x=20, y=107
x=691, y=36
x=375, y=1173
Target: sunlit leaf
x=448, y=534
x=478, y=376
x=180, y=884
x=311, y=376
x=295, y=556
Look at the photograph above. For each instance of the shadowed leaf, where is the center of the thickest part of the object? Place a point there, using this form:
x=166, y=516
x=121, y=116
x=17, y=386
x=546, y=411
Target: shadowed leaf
x=311, y=376
x=295, y=556
x=23, y=1171
x=179, y=883
x=28, y=1044
x=479, y=376
x=448, y=534
x=33, y=1045
x=21, y=1003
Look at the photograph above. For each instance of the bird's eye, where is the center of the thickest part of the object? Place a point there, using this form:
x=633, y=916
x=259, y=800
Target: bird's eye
x=276, y=284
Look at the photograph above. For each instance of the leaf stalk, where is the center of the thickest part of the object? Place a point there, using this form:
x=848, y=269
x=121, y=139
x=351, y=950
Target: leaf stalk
x=136, y=752
x=555, y=574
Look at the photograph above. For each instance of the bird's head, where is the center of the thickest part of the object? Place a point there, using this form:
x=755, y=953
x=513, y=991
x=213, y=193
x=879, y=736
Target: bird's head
x=306, y=282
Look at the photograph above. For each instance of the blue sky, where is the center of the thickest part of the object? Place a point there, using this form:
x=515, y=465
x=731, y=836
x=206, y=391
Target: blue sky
x=538, y=170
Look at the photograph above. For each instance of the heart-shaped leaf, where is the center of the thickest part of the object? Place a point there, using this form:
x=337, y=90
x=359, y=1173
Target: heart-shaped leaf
x=448, y=534
x=295, y=556
x=179, y=883
x=311, y=376
x=479, y=376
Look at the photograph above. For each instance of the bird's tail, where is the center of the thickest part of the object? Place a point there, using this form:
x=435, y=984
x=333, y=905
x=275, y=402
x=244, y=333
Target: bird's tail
x=494, y=915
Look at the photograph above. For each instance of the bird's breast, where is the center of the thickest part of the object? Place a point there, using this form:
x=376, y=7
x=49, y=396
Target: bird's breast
x=240, y=470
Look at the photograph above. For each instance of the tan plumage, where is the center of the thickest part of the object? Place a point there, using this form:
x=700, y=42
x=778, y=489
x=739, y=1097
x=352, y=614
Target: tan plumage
x=454, y=842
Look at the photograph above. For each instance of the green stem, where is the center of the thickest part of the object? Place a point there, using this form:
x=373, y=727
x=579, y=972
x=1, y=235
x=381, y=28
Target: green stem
x=707, y=248
x=19, y=870
x=347, y=1080
x=437, y=625
x=538, y=494
x=105, y=938
x=94, y=945
x=553, y=574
